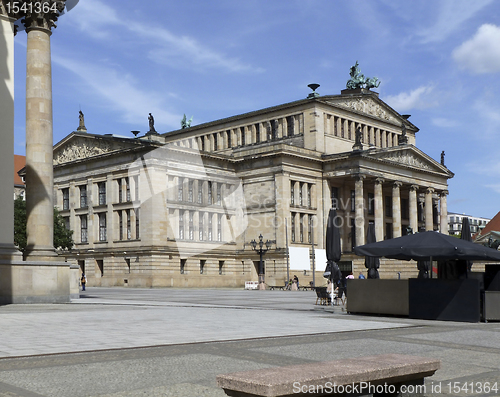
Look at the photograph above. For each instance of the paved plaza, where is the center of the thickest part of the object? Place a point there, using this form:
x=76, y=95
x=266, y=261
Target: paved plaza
x=174, y=342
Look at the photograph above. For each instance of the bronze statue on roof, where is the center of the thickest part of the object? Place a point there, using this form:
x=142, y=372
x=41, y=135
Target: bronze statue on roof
x=358, y=80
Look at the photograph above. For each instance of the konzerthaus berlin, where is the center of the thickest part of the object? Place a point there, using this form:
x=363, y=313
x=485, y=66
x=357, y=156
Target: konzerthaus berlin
x=181, y=208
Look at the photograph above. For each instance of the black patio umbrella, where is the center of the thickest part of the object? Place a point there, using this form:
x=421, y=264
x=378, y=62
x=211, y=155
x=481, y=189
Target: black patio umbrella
x=372, y=263
x=467, y=237
x=333, y=249
x=428, y=246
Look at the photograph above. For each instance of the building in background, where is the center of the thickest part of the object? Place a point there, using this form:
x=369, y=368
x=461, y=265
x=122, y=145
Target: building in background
x=181, y=208
x=488, y=234
x=455, y=223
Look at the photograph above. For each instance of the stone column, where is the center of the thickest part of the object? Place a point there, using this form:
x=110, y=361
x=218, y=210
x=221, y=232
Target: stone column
x=379, y=210
x=39, y=142
x=443, y=217
x=428, y=209
x=7, y=248
x=359, y=211
x=413, y=204
x=396, y=209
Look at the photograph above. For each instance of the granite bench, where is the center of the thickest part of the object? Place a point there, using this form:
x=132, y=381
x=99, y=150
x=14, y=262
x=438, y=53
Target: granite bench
x=379, y=375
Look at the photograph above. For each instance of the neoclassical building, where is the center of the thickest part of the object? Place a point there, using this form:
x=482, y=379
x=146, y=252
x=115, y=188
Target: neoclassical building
x=181, y=208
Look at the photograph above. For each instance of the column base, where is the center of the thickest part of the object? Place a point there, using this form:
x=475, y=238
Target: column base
x=34, y=282
x=41, y=254
x=9, y=252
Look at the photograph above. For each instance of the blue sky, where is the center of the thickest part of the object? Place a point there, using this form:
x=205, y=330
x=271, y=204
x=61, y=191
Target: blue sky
x=438, y=60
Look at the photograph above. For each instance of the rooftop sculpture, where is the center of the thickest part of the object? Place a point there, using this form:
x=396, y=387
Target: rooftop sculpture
x=186, y=123
x=358, y=80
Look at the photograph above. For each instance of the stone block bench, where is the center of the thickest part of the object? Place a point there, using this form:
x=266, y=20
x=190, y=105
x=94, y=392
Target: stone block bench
x=379, y=375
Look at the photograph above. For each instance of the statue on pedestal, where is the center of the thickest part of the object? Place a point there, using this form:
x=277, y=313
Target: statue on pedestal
x=358, y=80
x=81, y=126
x=151, y=123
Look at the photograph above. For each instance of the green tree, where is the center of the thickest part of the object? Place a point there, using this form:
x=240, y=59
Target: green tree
x=63, y=238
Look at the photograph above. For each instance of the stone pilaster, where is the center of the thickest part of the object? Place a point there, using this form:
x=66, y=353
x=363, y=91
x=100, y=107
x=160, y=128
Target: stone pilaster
x=413, y=204
x=443, y=221
x=428, y=209
x=396, y=209
x=359, y=211
x=379, y=210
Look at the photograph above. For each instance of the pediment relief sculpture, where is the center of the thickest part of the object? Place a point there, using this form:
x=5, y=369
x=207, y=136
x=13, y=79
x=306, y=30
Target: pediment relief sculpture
x=81, y=149
x=367, y=106
x=409, y=159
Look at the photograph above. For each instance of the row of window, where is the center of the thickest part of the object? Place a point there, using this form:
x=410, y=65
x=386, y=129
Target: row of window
x=195, y=189
x=203, y=267
x=300, y=193
x=124, y=226
x=305, y=223
x=247, y=135
x=204, y=229
x=345, y=128
x=124, y=192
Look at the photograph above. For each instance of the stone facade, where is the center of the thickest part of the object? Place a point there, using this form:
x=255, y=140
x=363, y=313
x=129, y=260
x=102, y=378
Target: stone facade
x=180, y=209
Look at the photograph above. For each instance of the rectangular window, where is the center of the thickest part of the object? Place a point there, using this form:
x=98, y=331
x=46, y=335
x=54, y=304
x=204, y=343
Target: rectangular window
x=191, y=225
x=301, y=228
x=216, y=146
x=228, y=132
x=129, y=225
x=180, y=189
x=353, y=200
x=136, y=183
x=137, y=229
x=309, y=228
x=301, y=185
x=388, y=231
x=120, y=225
x=210, y=227
x=292, y=193
x=221, y=268
x=219, y=194
x=83, y=229
x=388, y=206
x=290, y=122
x=100, y=267
x=120, y=195
x=183, y=266
x=190, y=191
x=65, y=193
x=200, y=192
x=102, y=227
x=209, y=193
x=181, y=224
x=257, y=133
x=201, y=226
x=334, y=194
x=405, y=209
x=202, y=265
x=371, y=206
x=83, y=196
x=219, y=227
x=102, y=193
x=292, y=226
x=243, y=140
x=274, y=129
x=127, y=190
x=309, y=200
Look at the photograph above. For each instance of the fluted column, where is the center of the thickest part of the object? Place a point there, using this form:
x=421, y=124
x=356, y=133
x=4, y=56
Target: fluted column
x=359, y=211
x=413, y=203
x=39, y=142
x=443, y=225
x=379, y=210
x=428, y=209
x=396, y=209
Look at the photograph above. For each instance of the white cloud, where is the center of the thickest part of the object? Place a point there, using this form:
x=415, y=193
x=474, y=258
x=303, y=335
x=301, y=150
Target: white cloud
x=121, y=92
x=419, y=98
x=480, y=54
x=496, y=187
x=165, y=48
x=450, y=17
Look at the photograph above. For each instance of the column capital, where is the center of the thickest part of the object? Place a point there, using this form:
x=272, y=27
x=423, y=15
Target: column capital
x=397, y=184
x=42, y=15
x=359, y=177
x=379, y=181
x=429, y=190
x=443, y=193
x=414, y=187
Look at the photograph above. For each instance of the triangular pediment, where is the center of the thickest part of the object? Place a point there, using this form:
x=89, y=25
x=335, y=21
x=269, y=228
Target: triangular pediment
x=410, y=156
x=369, y=105
x=79, y=146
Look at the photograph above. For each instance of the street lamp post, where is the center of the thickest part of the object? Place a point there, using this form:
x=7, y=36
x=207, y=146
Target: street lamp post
x=259, y=248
